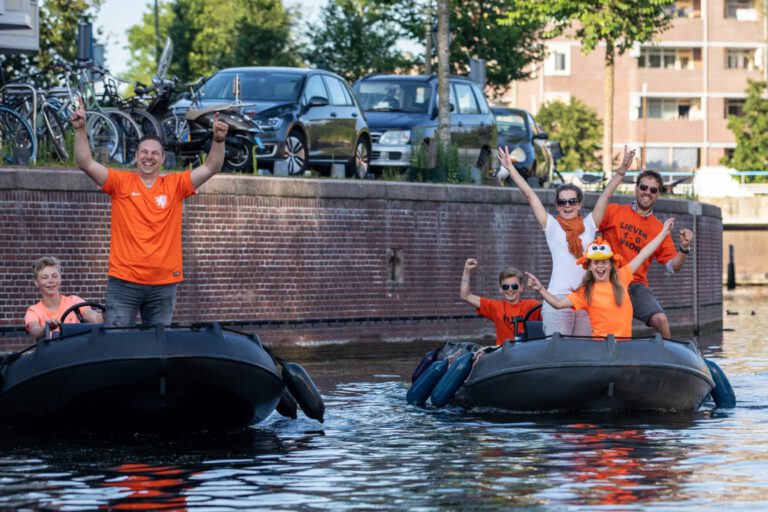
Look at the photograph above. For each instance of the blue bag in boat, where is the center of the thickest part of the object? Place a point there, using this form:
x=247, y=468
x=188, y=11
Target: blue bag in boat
x=421, y=389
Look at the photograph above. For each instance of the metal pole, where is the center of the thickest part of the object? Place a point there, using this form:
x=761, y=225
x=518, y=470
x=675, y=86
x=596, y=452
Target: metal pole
x=731, y=269
x=157, y=33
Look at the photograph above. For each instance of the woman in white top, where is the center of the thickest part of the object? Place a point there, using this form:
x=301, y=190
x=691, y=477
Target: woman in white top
x=567, y=234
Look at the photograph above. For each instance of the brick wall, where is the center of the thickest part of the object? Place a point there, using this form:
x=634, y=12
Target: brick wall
x=310, y=261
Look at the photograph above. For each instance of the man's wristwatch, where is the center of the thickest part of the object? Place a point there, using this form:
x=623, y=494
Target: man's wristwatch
x=689, y=250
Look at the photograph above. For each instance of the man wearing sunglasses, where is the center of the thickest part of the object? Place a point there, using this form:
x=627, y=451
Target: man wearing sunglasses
x=630, y=227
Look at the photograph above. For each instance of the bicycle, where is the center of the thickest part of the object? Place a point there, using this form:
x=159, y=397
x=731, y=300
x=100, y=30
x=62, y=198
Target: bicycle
x=18, y=144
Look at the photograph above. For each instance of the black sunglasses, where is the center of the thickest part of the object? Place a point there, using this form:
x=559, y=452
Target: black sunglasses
x=572, y=201
x=644, y=187
x=506, y=286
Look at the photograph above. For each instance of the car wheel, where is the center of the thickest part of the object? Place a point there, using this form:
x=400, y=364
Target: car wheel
x=295, y=153
x=358, y=165
x=238, y=156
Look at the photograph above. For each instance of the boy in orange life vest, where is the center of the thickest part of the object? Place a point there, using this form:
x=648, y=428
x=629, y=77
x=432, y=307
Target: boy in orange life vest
x=46, y=273
x=604, y=292
x=501, y=312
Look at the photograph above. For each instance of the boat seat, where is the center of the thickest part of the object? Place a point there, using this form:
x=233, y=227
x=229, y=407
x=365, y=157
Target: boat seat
x=534, y=329
x=71, y=329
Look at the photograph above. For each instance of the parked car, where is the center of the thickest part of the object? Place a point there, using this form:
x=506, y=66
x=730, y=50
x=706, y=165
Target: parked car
x=402, y=113
x=310, y=117
x=518, y=129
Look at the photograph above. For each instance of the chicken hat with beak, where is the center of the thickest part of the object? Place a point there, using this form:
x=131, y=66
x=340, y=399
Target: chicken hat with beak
x=599, y=250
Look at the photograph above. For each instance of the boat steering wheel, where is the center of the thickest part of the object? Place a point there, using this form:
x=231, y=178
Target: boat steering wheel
x=78, y=313
x=522, y=320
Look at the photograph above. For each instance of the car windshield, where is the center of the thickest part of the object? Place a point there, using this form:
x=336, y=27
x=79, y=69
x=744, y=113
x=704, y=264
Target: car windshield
x=393, y=96
x=511, y=124
x=254, y=86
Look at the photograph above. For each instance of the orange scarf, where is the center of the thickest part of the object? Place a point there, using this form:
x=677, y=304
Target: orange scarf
x=573, y=229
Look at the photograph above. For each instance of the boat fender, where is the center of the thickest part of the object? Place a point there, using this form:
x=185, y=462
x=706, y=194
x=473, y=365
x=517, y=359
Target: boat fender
x=421, y=389
x=428, y=359
x=452, y=380
x=722, y=394
x=304, y=390
x=287, y=405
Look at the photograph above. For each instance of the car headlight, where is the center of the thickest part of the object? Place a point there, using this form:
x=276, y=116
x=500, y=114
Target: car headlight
x=273, y=123
x=395, y=137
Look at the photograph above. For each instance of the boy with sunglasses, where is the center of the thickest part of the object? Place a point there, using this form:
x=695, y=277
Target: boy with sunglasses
x=501, y=312
x=628, y=229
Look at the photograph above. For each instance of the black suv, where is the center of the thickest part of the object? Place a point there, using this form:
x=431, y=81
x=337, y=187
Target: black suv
x=402, y=113
x=310, y=117
x=517, y=129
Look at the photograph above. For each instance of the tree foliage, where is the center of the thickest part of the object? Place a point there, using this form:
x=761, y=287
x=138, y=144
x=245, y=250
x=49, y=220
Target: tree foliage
x=578, y=129
x=142, y=42
x=508, y=51
x=58, y=36
x=208, y=36
x=356, y=37
x=751, y=131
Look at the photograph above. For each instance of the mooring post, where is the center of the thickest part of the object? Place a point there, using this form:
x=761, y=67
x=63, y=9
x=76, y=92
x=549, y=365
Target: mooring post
x=731, y=269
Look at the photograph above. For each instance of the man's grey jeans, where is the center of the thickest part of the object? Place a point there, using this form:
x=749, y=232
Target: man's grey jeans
x=155, y=303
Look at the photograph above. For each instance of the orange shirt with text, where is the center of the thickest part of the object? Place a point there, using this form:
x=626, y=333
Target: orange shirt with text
x=605, y=315
x=145, y=244
x=503, y=314
x=41, y=315
x=628, y=232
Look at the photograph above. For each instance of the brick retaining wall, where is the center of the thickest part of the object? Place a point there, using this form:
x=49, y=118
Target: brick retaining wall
x=310, y=261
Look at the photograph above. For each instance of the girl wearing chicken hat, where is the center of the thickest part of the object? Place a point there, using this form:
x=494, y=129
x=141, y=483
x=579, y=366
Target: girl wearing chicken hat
x=604, y=292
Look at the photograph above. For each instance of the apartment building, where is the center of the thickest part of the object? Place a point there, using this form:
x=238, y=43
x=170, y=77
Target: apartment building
x=673, y=95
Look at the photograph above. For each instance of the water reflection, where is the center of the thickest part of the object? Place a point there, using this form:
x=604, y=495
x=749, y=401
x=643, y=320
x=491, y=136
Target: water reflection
x=374, y=451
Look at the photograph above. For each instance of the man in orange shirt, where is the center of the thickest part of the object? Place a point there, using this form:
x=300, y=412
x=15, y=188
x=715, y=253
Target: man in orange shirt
x=628, y=229
x=145, y=262
x=501, y=312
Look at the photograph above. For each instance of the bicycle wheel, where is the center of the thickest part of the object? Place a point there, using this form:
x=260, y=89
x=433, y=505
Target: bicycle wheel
x=103, y=136
x=18, y=144
x=130, y=134
x=54, y=131
x=147, y=122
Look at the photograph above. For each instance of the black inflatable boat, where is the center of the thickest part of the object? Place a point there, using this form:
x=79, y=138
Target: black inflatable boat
x=559, y=373
x=133, y=379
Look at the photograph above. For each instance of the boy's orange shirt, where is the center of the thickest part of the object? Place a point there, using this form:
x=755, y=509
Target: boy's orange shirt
x=627, y=232
x=40, y=315
x=503, y=314
x=605, y=315
x=145, y=245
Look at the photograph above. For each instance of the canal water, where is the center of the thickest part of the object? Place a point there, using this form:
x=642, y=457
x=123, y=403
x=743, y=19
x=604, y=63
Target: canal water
x=376, y=452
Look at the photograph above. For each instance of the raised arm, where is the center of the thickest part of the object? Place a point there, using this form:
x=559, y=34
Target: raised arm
x=538, y=208
x=686, y=239
x=618, y=176
x=83, y=157
x=555, y=302
x=654, y=244
x=465, y=294
x=215, y=158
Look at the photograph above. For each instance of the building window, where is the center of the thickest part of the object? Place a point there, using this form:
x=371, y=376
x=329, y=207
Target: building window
x=668, y=58
x=687, y=9
x=670, y=109
x=733, y=107
x=739, y=58
x=672, y=158
x=558, y=61
x=742, y=10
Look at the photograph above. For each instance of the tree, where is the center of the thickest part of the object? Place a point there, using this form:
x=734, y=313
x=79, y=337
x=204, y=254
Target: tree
x=443, y=84
x=751, y=131
x=354, y=38
x=58, y=36
x=208, y=36
x=141, y=42
x=507, y=52
x=578, y=129
x=617, y=24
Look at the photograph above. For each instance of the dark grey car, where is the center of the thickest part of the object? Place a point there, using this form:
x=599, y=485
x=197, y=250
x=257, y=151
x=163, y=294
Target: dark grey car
x=309, y=117
x=402, y=113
